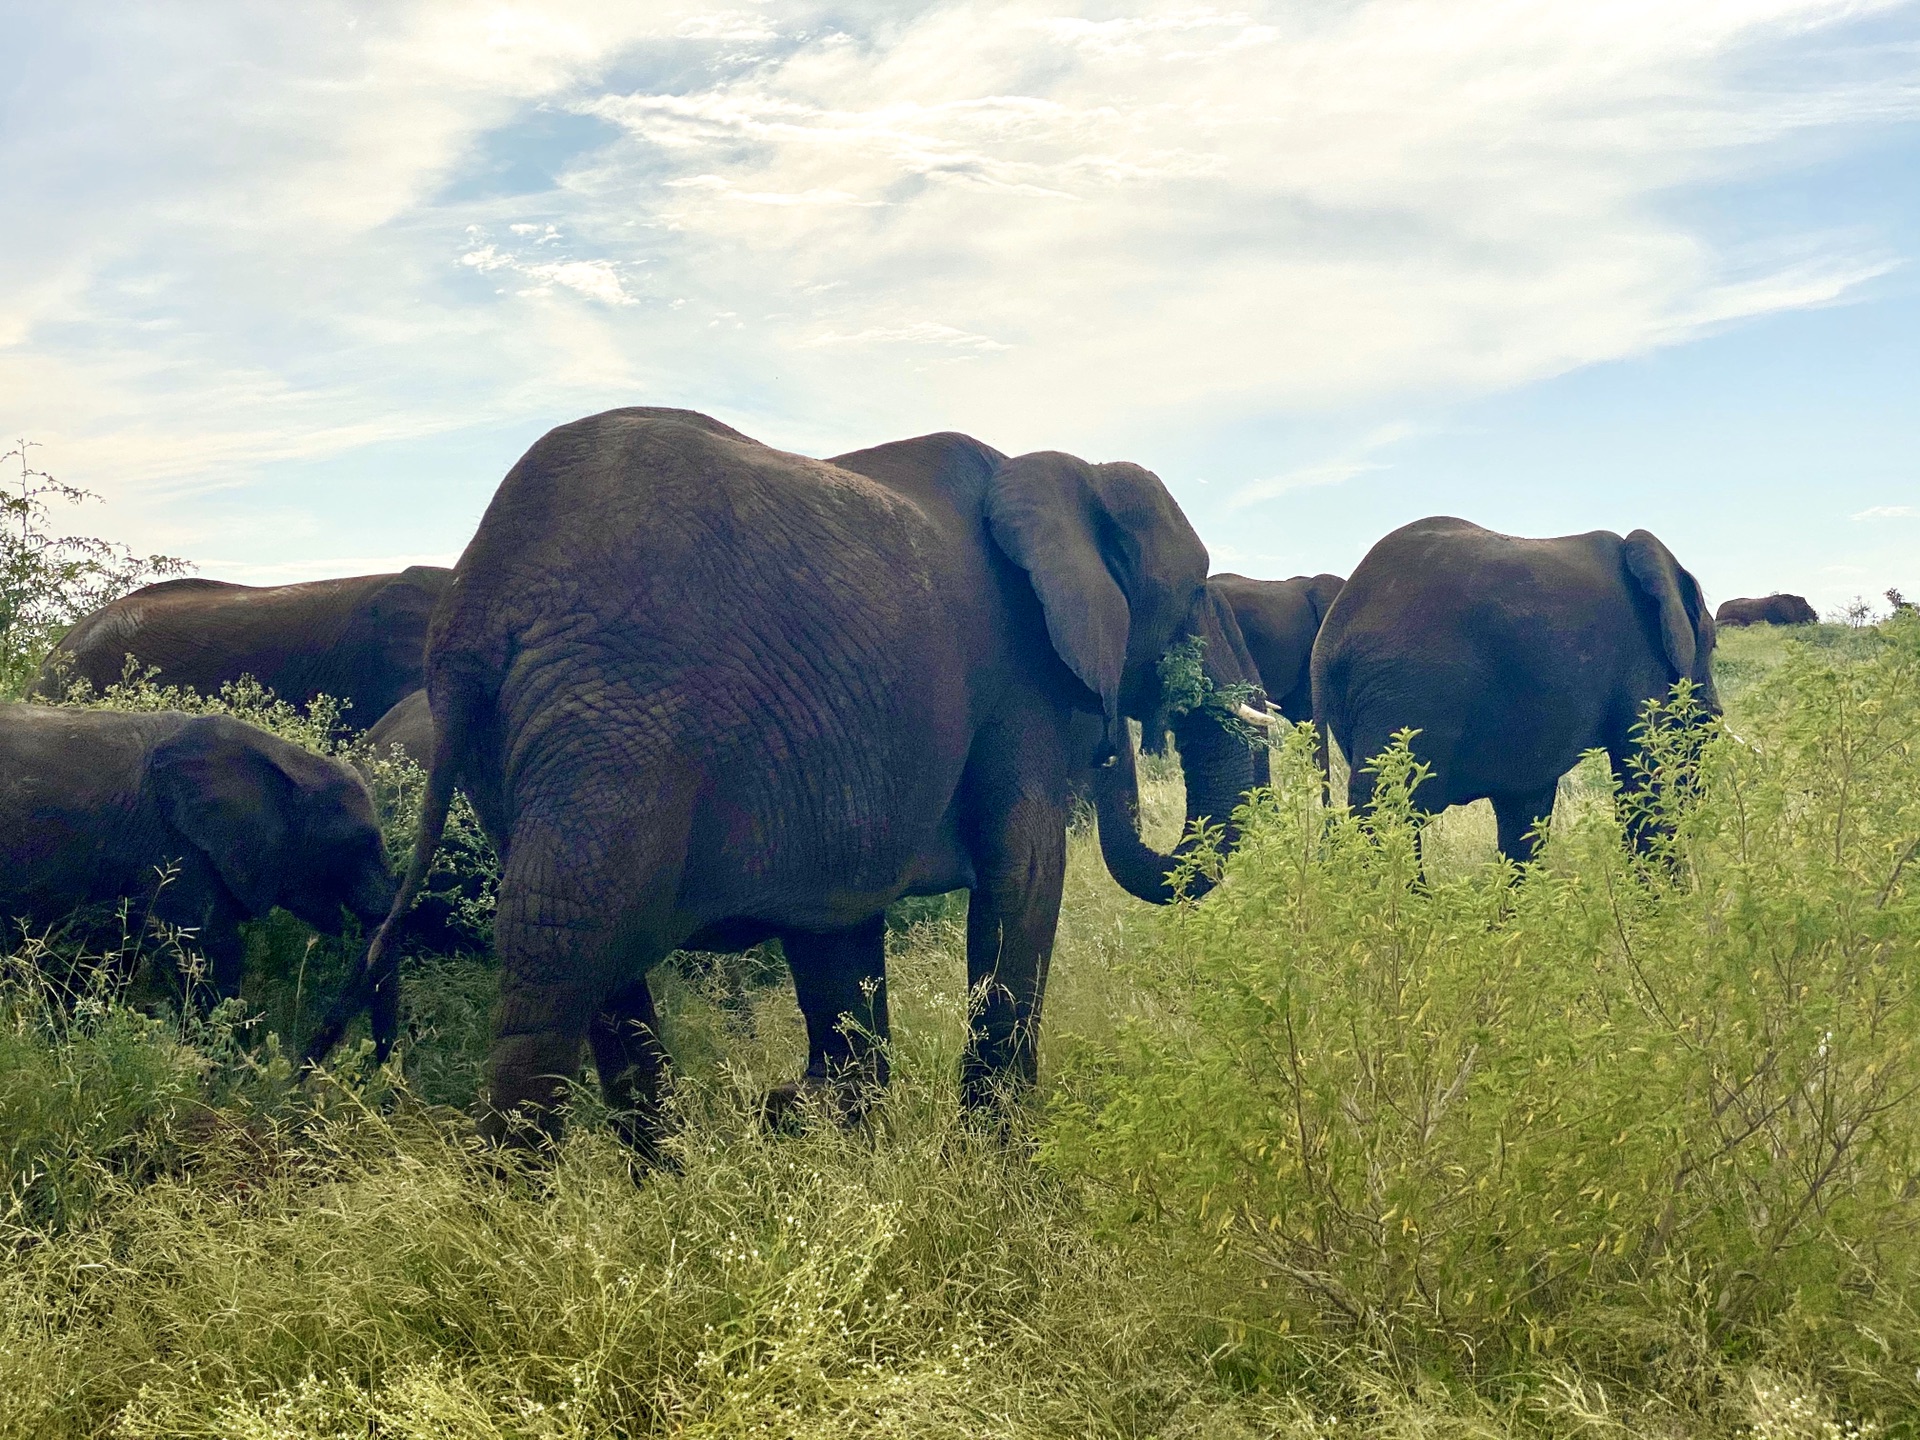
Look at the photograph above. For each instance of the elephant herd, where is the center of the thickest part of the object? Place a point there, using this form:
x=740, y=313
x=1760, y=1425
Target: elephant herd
x=703, y=693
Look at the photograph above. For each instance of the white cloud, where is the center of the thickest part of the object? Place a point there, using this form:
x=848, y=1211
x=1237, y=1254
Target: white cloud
x=921, y=332
x=725, y=25
x=263, y=234
x=1357, y=460
x=1889, y=512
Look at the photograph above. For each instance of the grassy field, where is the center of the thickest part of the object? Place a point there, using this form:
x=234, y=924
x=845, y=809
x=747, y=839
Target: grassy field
x=1628, y=1147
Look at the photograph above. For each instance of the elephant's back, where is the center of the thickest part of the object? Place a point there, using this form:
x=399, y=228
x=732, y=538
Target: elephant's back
x=34, y=737
x=1460, y=574
x=71, y=781
x=644, y=513
x=655, y=564
x=1443, y=616
x=205, y=633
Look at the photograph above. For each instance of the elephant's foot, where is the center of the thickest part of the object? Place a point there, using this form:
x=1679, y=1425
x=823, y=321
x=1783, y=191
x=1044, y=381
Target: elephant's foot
x=645, y=1133
x=850, y=1101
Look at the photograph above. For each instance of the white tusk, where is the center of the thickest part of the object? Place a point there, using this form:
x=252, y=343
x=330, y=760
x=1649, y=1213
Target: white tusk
x=1253, y=716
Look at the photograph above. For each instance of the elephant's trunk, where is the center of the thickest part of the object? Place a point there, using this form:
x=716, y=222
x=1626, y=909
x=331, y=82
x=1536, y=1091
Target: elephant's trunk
x=1219, y=770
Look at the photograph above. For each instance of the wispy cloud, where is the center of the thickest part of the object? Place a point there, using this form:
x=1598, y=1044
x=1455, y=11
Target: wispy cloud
x=922, y=332
x=1358, y=459
x=1888, y=512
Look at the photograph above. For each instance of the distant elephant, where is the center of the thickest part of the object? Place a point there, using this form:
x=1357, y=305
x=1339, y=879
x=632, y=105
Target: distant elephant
x=704, y=693
x=1511, y=658
x=94, y=804
x=360, y=640
x=1775, y=609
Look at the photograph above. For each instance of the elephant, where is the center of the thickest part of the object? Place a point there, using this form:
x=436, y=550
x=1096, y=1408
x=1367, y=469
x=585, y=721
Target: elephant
x=1774, y=609
x=1280, y=620
x=704, y=693
x=95, y=803
x=360, y=640
x=1510, y=657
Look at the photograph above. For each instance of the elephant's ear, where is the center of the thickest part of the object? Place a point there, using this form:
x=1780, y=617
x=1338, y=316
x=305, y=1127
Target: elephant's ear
x=1043, y=511
x=1686, y=629
x=218, y=787
x=407, y=600
x=1114, y=562
x=1322, y=591
x=392, y=623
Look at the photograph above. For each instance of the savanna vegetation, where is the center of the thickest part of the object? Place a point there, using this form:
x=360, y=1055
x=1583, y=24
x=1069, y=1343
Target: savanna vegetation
x=1367, y=1142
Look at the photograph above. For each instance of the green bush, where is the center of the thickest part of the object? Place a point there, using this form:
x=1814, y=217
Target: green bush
x=1623, y=1112
x=49, y=581
x=87, y=1092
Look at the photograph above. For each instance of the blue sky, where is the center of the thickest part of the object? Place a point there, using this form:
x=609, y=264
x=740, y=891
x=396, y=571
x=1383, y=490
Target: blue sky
x=294, y=286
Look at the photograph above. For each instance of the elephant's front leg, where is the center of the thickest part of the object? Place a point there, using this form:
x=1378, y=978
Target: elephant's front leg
x=1020, y=865
x=840, y=980
x=214, y=922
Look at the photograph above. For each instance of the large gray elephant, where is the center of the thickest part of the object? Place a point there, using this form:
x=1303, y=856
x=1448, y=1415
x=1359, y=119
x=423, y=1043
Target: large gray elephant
x=361, y=640
x=1511, y=657
x=94, y=804
x=1775, y=609
x=704, y=693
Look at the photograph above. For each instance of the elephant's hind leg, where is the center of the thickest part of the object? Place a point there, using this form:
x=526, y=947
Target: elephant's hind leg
x=840, y=980
x=625, y=1036
x=574, y=942
x=1516, y=816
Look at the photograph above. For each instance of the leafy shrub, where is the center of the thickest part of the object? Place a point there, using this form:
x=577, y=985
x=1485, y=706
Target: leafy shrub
x=86, y=1091
x=97, y=1093
x=49, y=581
x=1618, y=1112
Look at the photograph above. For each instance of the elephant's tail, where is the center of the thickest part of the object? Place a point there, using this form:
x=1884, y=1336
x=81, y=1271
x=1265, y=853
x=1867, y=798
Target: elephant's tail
x=375, y=981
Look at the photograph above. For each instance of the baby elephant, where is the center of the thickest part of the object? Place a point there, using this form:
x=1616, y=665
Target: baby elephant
x=94, y=803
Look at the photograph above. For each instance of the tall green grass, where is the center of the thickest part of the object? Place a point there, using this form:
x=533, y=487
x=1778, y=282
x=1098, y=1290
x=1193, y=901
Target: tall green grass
x=1353, y=1146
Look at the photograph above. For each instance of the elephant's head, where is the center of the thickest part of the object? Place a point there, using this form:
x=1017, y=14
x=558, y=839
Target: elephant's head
x=1121, y=577
x=280, y=825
